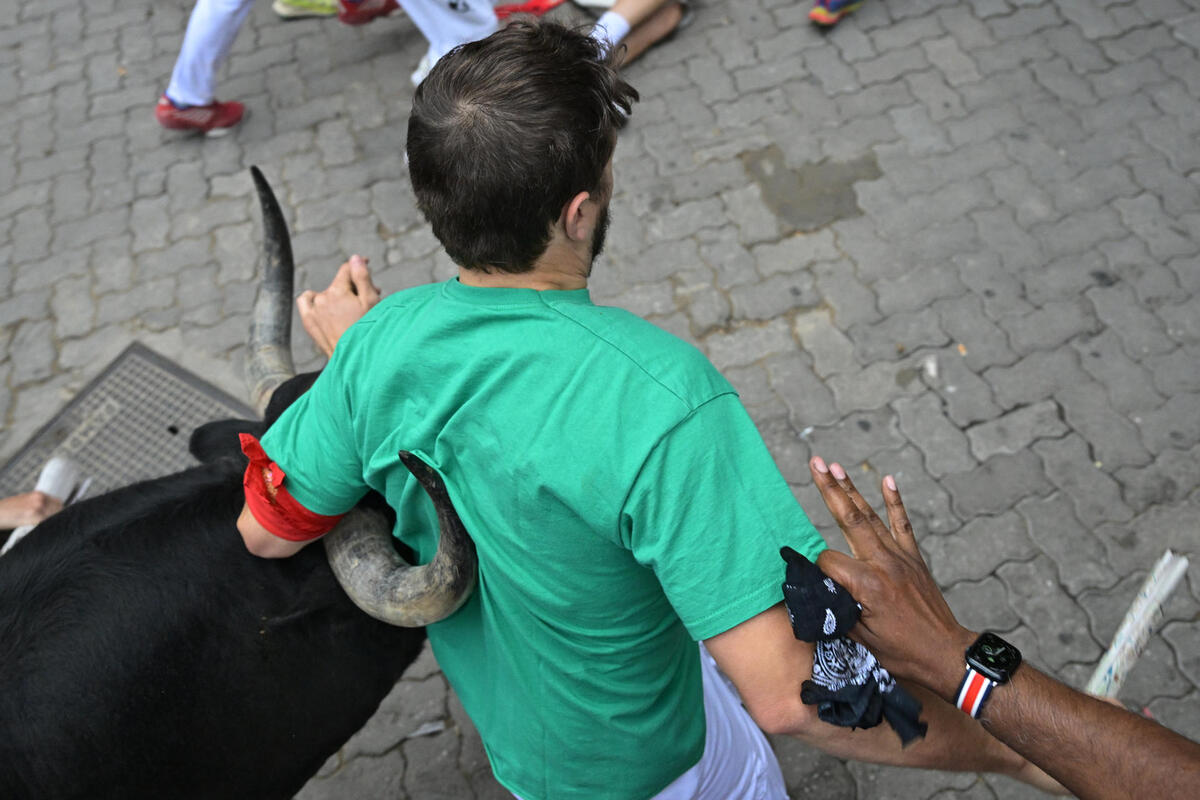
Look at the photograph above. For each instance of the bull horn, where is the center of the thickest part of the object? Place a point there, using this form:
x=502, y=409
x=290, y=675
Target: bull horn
x=269, y=355
x=359, y=549
x=382, y=584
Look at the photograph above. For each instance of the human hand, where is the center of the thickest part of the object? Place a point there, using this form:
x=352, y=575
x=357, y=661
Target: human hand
x=29, y=508
x=328, y=314
x=905, y=620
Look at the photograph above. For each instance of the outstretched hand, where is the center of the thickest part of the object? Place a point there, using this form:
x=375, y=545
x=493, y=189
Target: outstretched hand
x=905, y=619
x=29, y=508
x=328, y=314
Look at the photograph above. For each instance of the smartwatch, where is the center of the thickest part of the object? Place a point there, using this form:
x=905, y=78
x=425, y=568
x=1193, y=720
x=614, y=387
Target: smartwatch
x=991, y=661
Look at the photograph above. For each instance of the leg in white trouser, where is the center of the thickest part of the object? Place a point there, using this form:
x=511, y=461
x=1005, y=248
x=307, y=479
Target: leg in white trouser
x=738, y=761
x=449, y=23
x=210, y=33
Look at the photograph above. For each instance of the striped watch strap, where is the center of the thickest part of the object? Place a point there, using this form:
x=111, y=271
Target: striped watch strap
x=973, y=692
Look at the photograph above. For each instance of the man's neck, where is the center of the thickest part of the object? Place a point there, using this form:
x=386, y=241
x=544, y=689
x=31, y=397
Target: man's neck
x=558, y=269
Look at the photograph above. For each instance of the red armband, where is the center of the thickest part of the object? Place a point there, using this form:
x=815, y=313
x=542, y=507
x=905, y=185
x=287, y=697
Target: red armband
x=270, y=502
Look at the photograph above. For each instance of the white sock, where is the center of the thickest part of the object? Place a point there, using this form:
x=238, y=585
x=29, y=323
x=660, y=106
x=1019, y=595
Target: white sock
x=610, y=29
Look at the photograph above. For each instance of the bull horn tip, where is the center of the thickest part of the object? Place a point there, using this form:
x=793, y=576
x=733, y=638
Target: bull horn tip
x=414, y=464
x=426, y=475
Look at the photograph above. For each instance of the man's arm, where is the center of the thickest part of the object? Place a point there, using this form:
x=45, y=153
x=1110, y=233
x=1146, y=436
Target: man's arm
x=261, y=542
x=326, y=315
x=768, y=665
x=1096, y=750
x=29, y=508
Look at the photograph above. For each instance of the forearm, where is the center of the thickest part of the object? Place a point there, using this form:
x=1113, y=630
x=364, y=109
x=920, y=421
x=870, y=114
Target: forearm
x=1093, y=748
x=261, y=542
x=953, y=742
x=1096, y=750
x=769, y=666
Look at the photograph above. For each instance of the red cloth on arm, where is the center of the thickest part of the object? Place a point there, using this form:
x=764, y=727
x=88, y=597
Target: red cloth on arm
x=277, y=510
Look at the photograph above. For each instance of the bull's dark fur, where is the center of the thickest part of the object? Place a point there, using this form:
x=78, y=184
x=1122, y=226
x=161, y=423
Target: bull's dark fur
x=145, y=653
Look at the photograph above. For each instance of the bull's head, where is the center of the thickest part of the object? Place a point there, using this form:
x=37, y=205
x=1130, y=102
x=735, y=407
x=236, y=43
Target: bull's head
x=359, y=549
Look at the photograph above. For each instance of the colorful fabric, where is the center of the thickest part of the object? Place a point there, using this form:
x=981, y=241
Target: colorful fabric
x=622, y=503
x=272, y=505
x=973, y=692
x=830, y=12
x=849, y=687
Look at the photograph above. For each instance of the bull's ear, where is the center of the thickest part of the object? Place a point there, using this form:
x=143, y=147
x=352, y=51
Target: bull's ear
x=286, y=394
x=213, y=441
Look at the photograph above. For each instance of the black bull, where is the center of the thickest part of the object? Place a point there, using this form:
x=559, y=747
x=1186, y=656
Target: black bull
x=144, y=653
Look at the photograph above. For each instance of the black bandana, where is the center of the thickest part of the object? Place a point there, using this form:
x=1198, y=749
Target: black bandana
x=849, y=687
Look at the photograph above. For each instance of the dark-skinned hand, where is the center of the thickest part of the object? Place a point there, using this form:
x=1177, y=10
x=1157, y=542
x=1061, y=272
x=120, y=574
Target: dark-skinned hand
x=903, y=611
x=905, y=620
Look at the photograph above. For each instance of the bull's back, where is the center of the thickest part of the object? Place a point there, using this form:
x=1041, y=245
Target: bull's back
x=145, y=653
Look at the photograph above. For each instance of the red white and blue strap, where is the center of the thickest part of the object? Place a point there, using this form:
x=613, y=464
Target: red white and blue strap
x=973, y=692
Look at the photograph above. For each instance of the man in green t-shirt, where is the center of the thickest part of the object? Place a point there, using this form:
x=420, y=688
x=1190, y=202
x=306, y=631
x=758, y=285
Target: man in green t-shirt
x=622, y=503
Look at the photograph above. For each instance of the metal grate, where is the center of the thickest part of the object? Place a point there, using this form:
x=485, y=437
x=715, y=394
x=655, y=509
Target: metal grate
x=132, y=422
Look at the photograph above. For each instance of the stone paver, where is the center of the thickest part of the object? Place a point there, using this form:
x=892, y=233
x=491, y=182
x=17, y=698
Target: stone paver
x=1007, y=321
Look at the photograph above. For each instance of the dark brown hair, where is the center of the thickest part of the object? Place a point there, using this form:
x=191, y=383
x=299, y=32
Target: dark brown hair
x=505, y=131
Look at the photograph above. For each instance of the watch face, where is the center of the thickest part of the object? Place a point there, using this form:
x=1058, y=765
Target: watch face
x=993, y=657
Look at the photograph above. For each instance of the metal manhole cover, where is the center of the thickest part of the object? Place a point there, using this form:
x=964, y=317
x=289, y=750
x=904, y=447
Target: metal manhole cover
x=132, y=422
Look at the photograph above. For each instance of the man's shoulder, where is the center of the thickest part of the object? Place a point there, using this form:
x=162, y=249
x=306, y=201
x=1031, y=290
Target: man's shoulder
x=413, y=295
x=678, y=365
x=392, y=307
x=375, y=332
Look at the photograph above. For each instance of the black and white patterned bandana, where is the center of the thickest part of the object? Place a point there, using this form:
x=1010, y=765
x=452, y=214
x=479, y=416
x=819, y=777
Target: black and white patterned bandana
x=848, y=686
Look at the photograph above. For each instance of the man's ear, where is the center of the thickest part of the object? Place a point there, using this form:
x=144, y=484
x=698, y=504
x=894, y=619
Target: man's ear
x=579, y=217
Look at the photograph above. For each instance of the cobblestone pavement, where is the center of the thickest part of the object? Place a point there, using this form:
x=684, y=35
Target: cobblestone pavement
x=956, y=241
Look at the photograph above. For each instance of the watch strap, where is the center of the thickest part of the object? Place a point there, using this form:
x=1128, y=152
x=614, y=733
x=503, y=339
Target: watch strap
x=973, y=692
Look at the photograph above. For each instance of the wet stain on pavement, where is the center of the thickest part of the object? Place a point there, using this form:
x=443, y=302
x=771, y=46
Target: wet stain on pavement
x=811, y=197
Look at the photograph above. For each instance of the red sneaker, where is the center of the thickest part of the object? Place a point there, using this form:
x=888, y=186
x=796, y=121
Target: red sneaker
x=214, y=119
x=365, y=11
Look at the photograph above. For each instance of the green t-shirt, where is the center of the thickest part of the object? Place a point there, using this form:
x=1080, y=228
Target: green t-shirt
x=621, y=501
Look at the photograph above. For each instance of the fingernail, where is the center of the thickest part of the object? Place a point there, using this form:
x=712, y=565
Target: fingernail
x=837, y=471
x=819, y=464
x=890, y=482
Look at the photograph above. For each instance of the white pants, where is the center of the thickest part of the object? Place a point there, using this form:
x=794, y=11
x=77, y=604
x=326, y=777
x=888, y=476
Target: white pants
x=210, y=33
x=738, y=763
x=446, y=24
x=214, y=25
